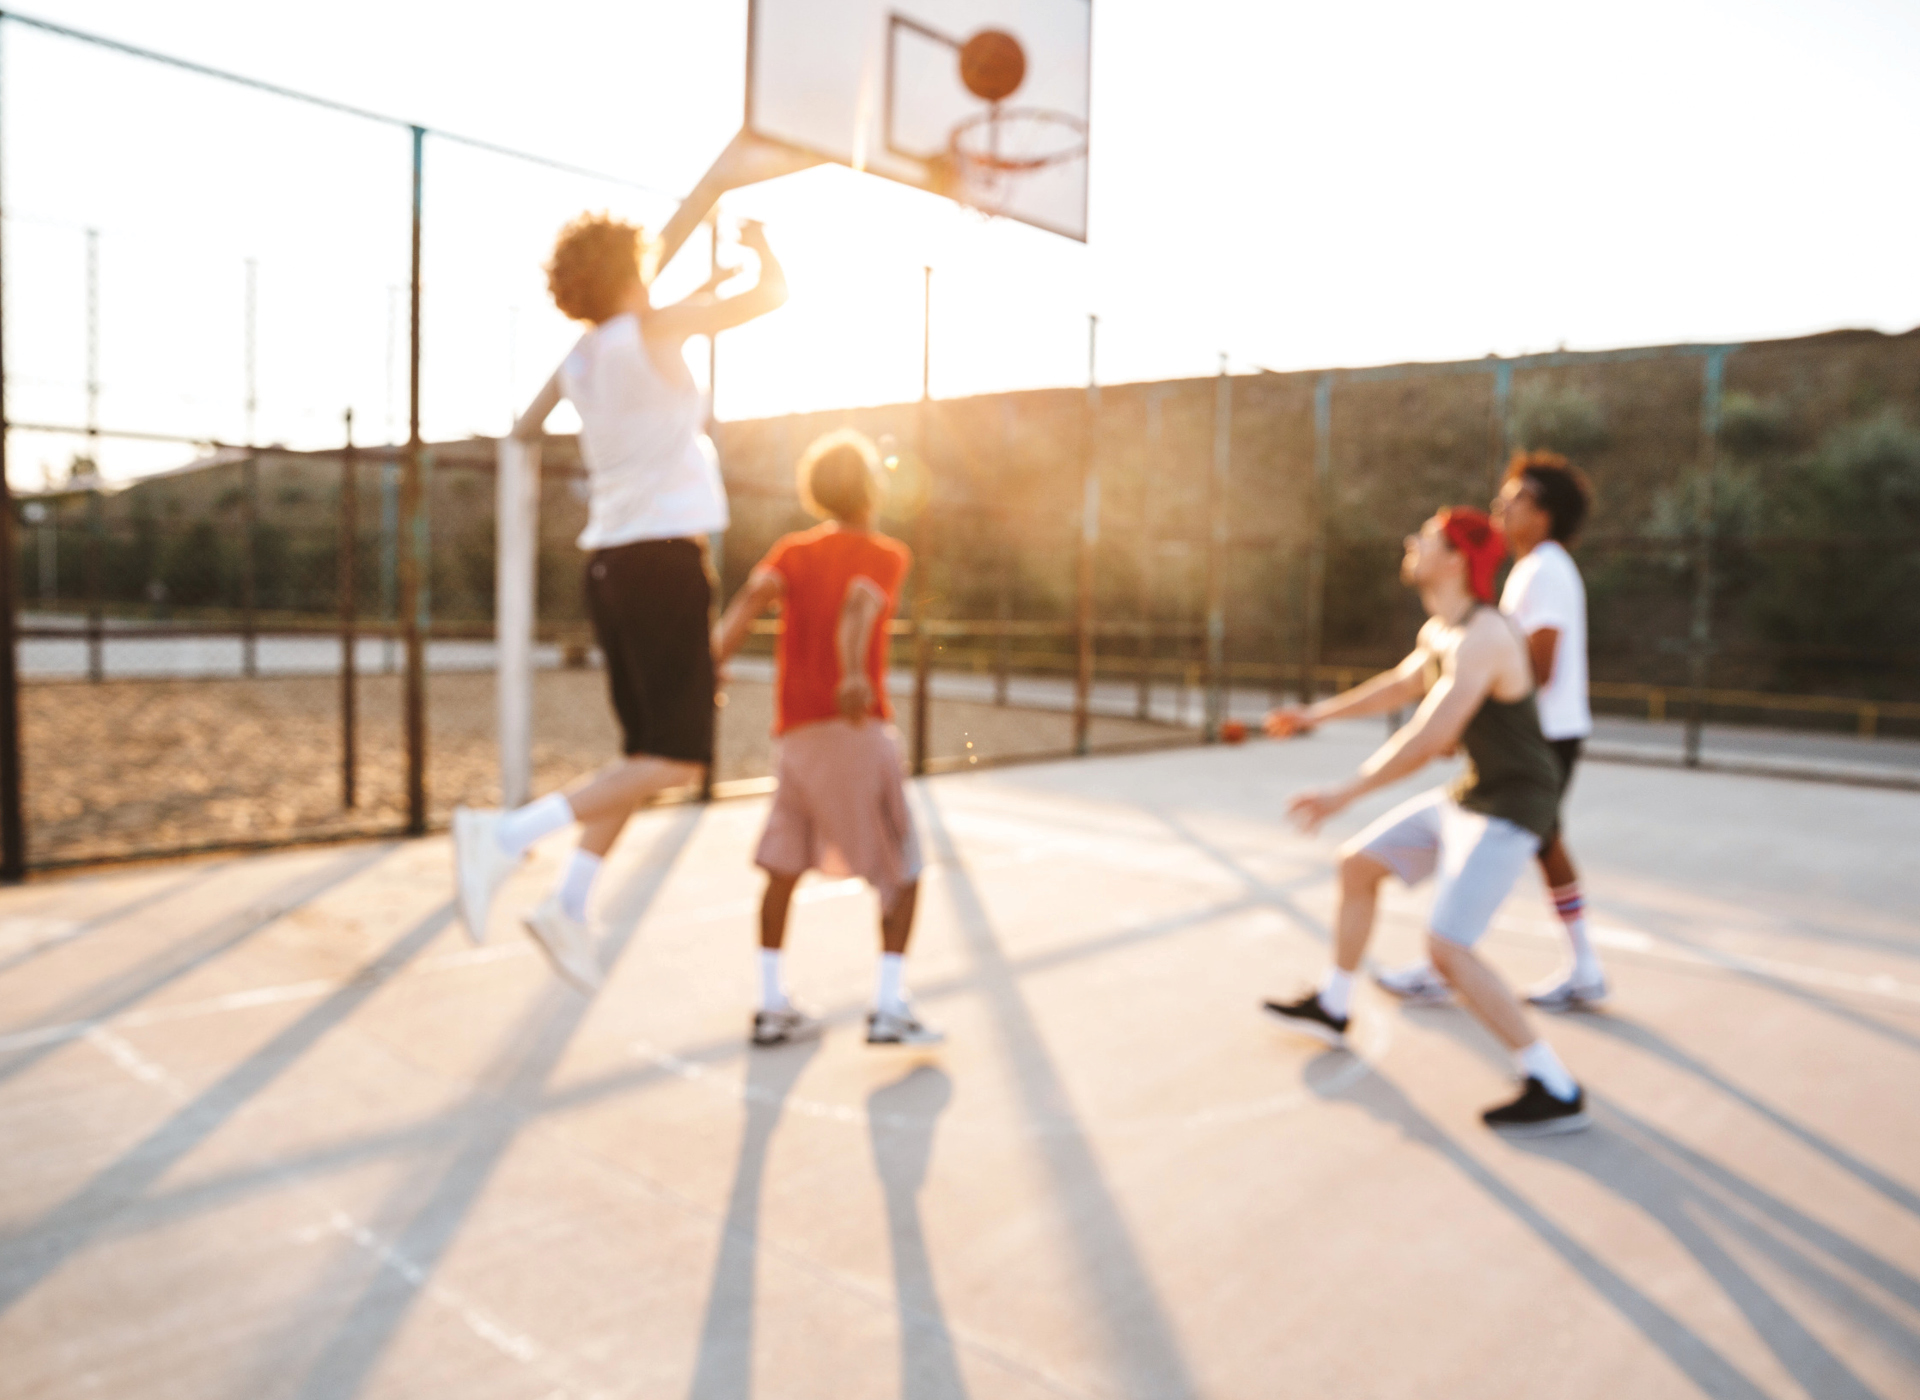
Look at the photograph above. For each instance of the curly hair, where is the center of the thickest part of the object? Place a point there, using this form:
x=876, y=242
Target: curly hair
x=1561, y=489
x=839, y=474
x=596, y=261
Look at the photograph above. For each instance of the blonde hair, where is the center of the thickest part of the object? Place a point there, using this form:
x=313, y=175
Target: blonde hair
x=597, y=260
x=839, y=474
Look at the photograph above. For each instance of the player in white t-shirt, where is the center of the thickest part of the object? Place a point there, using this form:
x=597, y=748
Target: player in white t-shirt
x=1540, y=508
x=655, y=496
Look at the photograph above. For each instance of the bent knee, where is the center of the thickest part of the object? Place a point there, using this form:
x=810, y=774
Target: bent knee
x=1359, y=870
x=1445, y=953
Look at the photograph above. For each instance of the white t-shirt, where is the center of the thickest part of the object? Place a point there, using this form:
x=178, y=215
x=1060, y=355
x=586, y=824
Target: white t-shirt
x=1544, y=590
x=652, y=473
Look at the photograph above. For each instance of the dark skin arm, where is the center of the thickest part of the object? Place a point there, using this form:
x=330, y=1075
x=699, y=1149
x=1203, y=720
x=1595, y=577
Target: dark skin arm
x=1541, y=647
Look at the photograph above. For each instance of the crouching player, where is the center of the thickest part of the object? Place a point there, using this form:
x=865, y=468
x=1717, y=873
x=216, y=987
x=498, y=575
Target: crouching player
x=841, y=806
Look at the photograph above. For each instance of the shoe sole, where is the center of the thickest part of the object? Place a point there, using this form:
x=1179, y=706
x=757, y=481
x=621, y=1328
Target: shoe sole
x=1551, y=1127
x=788, y=1037
x=909, y=1040
x=1326, y=1035
x=1420, y=998
x=1580, y=1003
x=567, y=974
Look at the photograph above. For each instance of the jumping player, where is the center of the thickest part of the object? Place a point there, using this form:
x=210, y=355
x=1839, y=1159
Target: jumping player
x=1540, y=509
x=655, y=495
x=841, y=806
x=1471, y=667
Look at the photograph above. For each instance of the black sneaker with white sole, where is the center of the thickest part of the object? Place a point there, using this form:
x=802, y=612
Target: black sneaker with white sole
x=1537, y=1113
x=1309, y=1017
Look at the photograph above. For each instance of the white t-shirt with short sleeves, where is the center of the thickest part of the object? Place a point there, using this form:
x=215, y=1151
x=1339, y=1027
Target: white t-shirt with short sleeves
x=651, y=472
x=1544, y=590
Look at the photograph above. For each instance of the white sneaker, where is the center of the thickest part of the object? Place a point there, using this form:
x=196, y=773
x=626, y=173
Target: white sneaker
x=787, y=1026
x=901, y=1027
x=1418, y=985
x=1570, y=993
x=480, y=867
x=566, y=942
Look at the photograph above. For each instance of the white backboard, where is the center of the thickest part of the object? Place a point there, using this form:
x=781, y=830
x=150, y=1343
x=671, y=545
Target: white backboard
x=876, y=84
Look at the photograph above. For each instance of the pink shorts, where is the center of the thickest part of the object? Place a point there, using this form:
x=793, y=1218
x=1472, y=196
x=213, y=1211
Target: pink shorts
x=841, y=807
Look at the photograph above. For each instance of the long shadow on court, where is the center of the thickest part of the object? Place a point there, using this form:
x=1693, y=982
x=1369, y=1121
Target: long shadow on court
x=108, y=917
x=1262, y=892
x=1145, y=1350
x=1713, y=1373
x=1652, y=1173
x=901, y=1118
x=431, y=1213
x=63, y=1231
x=128, y=987
x=723, y=1366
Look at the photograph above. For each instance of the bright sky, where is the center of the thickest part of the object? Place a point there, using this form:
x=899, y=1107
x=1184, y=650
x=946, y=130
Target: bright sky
x=1293, y=184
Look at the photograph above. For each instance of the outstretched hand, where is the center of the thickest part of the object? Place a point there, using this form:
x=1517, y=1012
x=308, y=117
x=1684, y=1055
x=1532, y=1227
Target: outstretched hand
x=1285, y=721
x=1310, y=809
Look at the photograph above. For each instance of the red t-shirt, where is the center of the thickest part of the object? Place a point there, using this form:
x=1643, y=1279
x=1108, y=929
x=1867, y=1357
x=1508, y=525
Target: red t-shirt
x=818, y=565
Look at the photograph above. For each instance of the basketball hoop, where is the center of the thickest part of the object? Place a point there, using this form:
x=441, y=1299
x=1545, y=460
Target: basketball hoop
x=990, y=148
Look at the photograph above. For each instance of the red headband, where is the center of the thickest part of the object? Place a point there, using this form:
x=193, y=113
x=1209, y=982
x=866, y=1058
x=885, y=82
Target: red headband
x=1472, y=534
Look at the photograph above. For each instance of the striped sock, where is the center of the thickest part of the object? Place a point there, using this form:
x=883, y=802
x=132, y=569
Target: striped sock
x=1572, y=909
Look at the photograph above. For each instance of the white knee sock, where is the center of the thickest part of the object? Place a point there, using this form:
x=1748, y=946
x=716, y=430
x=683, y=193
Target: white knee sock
x=1336, y=993
x=1572, y=909
x=1539, y=1061
x=543, y=816
x=582, y=868
x=773, y=987
x=889, y=994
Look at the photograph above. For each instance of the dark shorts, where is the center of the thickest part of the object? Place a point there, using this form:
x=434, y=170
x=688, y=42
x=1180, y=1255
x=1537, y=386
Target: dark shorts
x=649, y=603
x=1566, y=752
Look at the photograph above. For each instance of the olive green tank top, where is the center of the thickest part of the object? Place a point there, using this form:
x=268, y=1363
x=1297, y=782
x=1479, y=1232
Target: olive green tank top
x=1511, y=771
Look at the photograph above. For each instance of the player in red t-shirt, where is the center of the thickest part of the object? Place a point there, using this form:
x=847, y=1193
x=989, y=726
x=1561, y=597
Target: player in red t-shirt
x=841, y=806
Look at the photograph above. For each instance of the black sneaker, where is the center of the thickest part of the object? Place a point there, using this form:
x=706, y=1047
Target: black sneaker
x=1309, y=1017
x=1536, y=1113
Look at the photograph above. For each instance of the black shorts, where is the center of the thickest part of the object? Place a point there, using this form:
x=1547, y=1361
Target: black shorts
x=649, y=603
x=1566, y=753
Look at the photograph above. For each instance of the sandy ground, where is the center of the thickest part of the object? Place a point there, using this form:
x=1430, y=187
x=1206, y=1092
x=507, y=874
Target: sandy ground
x=274, y=1128
x=159, y=764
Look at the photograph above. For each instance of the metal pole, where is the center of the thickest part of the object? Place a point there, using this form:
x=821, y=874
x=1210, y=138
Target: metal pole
x=413, y=533
x=1089, y=540
x=1700, y=643
x=717, y=544
x=922, y=661
x=250, y=506
x=13, y=825
x=96, y=620
x=1502, y=419
x=349, y=531
x=1009, y=562
x=1317, y=547
x=1156, y=435
x=1217, y=561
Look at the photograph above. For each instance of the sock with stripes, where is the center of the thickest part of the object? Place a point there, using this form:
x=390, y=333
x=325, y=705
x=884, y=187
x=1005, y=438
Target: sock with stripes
x=1572, y=909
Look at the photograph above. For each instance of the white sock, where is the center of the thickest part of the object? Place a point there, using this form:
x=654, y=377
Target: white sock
x=1571, y=906
x=1539, y=1061
x=543, y=816
x=773, y=987
x=889, y=994
x=577, y=883
x=1336, y=993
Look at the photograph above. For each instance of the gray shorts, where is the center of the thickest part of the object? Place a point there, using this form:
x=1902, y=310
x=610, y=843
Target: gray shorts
x=1476, y=859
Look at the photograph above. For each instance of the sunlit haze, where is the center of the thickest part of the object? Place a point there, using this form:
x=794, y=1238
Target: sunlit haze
x=1292, y=185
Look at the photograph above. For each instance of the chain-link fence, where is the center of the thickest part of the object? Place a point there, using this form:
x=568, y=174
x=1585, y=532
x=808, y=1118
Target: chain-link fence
x=263, y=644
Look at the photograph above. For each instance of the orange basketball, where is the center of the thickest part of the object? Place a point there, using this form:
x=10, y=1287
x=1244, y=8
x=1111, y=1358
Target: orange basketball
x=993, y=65
x=1233, y=732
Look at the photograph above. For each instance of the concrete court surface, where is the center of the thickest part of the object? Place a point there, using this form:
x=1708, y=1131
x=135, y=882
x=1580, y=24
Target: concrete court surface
x=273, y=1129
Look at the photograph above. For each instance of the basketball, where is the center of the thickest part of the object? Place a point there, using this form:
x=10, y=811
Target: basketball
x=1233, y=732
x=993, y=65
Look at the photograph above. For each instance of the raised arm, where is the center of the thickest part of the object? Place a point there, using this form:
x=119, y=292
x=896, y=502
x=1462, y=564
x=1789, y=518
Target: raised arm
x=704, y=314
x=765, y=587
x=1434, y=729
x=1386, y=692
x=852, y=638
x=534, y=421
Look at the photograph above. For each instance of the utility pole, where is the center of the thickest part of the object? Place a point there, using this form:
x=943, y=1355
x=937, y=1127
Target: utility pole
x=250, y=495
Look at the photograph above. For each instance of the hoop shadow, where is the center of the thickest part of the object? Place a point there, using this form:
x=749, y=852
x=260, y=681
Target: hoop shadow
x=901, y=1118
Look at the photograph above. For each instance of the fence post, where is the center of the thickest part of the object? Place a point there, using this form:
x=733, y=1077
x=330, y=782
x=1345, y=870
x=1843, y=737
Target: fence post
x=1217, y=561
x=1156, y=437
x=249, y=577
x=516, y=509
x=1317, y=546
x=411, y=532
x=921, y=660
x=1502, y=425
x=1089, y=539
x=96, y=618
x=349, y=527
x=13, y=827
x=1700, y=641
x=1003, y=586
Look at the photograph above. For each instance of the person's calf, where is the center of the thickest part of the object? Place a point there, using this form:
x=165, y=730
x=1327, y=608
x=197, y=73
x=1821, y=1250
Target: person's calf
x=1480, y=988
